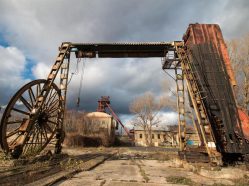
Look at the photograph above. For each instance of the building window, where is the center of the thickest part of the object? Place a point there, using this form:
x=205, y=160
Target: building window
x=140, y=135
x=152, y=136
x=158, y=136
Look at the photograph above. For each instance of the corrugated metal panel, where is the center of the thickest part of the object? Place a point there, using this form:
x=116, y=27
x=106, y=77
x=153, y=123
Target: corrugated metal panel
x=125, y=43
x=206, y=33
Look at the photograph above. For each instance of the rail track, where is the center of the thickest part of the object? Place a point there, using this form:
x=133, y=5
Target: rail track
x=49, y=170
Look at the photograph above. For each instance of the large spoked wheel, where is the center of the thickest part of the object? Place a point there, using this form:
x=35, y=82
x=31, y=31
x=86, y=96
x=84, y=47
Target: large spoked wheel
x=23, y=133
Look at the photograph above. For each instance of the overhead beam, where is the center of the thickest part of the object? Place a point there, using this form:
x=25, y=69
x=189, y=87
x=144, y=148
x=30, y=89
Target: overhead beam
x=122, y=50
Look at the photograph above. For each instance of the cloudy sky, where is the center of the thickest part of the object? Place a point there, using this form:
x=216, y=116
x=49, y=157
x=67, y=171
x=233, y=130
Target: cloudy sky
x=31, y=31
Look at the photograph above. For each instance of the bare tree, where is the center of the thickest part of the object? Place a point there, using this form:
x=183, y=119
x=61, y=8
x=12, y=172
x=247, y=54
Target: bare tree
x=239, y=55
x=146, y=109
x=169, y=95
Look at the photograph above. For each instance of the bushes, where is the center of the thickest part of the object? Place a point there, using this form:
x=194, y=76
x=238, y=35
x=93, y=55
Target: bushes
x=81, y=132
x=77, y=140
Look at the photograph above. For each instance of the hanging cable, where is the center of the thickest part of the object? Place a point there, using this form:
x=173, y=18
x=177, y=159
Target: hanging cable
x=75, y=71
x=81, y=82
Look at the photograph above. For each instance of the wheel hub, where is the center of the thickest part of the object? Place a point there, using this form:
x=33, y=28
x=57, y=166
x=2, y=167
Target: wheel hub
x=42, y=118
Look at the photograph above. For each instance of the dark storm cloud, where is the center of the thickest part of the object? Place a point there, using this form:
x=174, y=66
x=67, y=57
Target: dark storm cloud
x=121, y=80
x=235, y=18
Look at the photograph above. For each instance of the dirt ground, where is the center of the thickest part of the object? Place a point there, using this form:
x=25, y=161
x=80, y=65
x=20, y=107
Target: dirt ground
x=150, y=167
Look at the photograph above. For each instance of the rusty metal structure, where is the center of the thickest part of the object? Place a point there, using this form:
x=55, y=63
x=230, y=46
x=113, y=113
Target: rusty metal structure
x=210, y=33
x=209, y=78
x=103, y=103
x=34, y=116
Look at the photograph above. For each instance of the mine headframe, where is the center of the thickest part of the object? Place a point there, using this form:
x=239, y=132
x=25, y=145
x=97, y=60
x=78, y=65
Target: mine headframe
x=105, y=103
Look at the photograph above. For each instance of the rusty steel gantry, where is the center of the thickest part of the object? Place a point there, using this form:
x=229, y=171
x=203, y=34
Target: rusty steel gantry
x=103, y=103
x=34, y=116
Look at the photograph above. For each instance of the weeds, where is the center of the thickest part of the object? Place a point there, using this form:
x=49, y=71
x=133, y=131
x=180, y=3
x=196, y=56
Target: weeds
x=180, y=180
x=218, y=184
x=102, y=182
x=144, y=175
x=71, y=164
x=161, y=156
x=242, y=182
x=132, y=180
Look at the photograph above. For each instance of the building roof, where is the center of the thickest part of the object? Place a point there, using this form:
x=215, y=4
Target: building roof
x=154, y=128
x=98, y=115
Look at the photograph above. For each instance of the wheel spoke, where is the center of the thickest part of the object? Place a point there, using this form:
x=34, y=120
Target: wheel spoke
x=49, y=128
x=20, y=111
x=54, y=105
x=32, y=96
x=51, y=95
x=14, y=122
x=53, y=111
x=12, y=133
x=26, y=103
x=53, y=122
x=45, y=132
x=25, y=147
x=32, y=135
x=12, y=142
x=51, y=102
x=38, y=90
x=32, y=143
x=36, y=137
x=41, y=134
x=53, y=116
x=47, y=100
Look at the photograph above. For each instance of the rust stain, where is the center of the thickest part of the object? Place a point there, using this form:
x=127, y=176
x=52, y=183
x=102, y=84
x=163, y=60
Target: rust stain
x=206, y=33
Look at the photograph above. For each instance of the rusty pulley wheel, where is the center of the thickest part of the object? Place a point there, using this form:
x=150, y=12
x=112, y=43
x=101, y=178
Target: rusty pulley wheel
x=22, y=133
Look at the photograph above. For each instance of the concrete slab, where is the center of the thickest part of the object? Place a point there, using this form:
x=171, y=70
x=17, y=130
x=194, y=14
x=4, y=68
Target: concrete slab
x=138, y=172
x=124, y=170
x=116, y=170
x=158, y=172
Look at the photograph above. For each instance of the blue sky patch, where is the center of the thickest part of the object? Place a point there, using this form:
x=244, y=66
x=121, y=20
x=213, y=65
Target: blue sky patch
x=27, y=73
x=3, y=42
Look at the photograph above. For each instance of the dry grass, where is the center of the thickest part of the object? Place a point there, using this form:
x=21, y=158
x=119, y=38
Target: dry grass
x=142, y=172
x=160, y=156
x=79, y=133
x=77, y=140
x=242, y=182
x=218, y=184
x=71, y=164
x=180, y=180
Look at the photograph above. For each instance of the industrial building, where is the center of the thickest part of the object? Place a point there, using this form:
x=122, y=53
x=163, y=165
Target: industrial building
x=160, y=136
x=164, y=136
